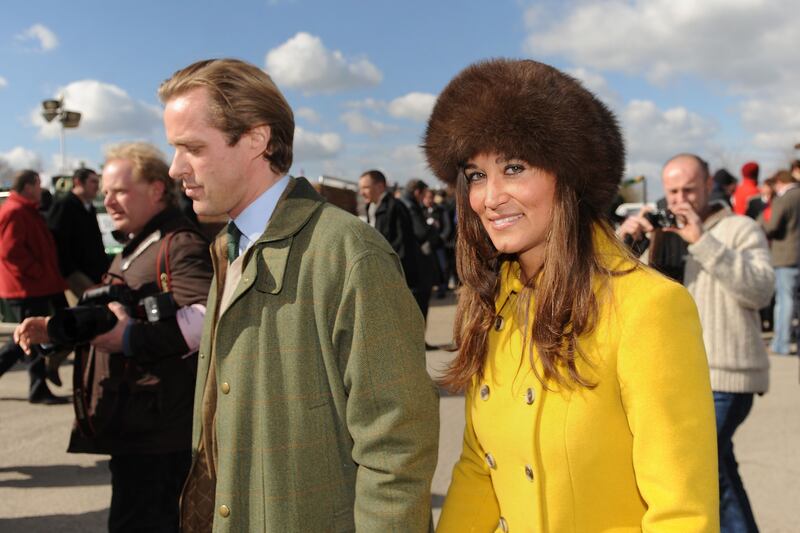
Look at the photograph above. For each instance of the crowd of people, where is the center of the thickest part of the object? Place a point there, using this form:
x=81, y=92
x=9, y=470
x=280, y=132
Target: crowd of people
x=275, y=379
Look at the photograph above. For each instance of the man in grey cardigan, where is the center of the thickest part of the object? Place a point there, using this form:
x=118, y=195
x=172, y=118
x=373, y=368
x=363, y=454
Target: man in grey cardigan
x=729, y=274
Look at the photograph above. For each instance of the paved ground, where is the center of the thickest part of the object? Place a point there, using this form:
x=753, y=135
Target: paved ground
x=43, y=489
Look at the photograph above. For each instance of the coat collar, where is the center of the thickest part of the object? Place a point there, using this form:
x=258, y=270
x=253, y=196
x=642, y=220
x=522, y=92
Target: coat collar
x=296, y=206
x=161, y=219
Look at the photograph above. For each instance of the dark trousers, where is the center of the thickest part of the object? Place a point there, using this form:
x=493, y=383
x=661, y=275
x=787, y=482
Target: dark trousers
x=735, y=513
x=10, y=353
x=145, y=491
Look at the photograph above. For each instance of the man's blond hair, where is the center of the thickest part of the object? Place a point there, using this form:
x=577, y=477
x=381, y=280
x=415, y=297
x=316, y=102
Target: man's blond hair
x=148, y=165
x=241, y=96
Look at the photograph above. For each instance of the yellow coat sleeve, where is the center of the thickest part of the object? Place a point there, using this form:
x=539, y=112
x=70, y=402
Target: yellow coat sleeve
x=471, y=505
x=666, y=393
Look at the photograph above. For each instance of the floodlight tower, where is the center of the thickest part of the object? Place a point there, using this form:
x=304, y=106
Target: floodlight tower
x=69, y=119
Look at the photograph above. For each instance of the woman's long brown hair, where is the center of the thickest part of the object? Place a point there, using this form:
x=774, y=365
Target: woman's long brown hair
x=566, y=306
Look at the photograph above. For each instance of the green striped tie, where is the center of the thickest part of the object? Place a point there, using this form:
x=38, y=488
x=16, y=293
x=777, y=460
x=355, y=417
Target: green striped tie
x=233, y=241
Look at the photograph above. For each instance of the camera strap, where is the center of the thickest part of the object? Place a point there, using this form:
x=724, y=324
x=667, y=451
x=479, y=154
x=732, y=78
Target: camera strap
x=164, y=274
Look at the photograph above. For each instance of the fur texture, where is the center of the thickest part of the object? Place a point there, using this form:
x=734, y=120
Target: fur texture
x=526, y=109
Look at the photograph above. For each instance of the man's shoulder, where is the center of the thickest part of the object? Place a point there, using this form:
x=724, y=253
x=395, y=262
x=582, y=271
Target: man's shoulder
x=336, y=227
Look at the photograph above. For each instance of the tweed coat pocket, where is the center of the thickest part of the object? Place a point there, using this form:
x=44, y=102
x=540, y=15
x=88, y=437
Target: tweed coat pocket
x=271, y=269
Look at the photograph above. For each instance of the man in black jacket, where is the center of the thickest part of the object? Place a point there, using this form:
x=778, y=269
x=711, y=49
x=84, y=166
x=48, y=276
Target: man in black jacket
x=73, y=221
x=134, y=385
x=392, y=220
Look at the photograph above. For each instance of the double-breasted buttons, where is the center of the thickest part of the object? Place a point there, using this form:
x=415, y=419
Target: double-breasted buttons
x=224, y=511
x=490, y=461
x=503, y=525
x=529, y=472
x=225, y=387
x=529, y=396
x=485, y=392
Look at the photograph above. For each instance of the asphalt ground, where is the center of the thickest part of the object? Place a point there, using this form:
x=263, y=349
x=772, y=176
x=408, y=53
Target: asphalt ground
x=44, y=489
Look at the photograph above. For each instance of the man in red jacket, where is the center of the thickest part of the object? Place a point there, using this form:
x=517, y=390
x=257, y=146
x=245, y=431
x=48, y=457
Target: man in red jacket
x=747, y=189
x=30, y=283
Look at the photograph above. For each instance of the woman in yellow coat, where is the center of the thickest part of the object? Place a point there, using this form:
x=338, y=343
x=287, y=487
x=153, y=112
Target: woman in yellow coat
x=588, y=403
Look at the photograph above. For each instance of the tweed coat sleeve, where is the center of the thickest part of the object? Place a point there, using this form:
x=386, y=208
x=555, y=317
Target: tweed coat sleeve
x=392, y=407
x=666, y=394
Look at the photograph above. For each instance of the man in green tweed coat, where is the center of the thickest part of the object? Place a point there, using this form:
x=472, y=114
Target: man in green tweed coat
x=313, y=408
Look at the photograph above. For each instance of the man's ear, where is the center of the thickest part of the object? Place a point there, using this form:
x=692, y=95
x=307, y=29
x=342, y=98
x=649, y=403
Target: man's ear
x=258, y=138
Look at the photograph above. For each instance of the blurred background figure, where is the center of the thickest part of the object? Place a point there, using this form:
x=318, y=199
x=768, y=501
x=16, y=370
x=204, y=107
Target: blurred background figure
x=73, y=221
x=747, y=189
x=724, y=186
x=783, y=229
x=30, y=282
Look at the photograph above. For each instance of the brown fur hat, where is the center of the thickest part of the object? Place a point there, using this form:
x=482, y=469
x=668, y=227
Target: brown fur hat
x=529, y=110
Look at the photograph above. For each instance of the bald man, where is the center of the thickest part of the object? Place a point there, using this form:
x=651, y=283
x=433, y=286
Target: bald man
x=728, y=271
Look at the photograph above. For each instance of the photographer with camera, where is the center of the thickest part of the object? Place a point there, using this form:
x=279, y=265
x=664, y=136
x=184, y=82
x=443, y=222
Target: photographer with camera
x=727, y=270
x=134, y=383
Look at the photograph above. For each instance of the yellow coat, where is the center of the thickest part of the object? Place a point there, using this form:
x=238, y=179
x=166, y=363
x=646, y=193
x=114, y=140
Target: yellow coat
x=637, y=452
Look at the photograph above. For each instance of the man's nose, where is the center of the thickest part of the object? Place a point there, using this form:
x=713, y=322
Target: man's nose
x=177, y=170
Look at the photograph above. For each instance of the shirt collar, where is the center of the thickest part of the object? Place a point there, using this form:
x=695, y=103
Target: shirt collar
x=254, y=219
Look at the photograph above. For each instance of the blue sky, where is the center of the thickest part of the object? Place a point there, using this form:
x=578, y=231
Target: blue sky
x=715, y=77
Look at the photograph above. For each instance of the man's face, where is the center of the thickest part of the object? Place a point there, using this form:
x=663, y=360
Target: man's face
x=219, y=178
x=370, y=190
x=88, y=189
x=130, y=203
x=684, y=181
x=33, y=191
x=427, y=198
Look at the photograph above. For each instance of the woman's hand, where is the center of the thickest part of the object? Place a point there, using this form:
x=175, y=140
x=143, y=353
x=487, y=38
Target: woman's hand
x=32, y=330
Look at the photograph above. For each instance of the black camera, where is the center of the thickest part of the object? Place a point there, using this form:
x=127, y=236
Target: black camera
x=661, y=218
x=91, y=317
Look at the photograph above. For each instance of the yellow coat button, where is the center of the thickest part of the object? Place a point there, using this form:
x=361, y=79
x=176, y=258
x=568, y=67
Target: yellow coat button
x=226, y=388
x=224, y=511
x=529, y=396
x=503, y=525
x=529, y=472
x=490, y=461
x=485, y=392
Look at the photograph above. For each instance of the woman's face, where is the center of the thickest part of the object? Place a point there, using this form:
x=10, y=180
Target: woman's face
x=514, y=202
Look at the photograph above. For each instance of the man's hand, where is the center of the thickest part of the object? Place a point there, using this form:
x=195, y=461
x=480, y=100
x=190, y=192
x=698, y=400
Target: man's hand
x=111, y=341
x=32, y=330
x=690, y=226
x=636, y=226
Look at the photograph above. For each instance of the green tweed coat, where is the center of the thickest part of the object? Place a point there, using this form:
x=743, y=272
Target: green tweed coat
x=330, y=421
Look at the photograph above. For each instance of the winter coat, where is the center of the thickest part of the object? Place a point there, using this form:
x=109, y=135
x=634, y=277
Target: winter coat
x=78, y=238
x=143, y=402
x=326, y=419
x=28, y=262
x=636, y=452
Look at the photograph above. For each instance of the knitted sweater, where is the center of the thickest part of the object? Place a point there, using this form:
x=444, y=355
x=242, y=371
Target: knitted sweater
x=729, y=274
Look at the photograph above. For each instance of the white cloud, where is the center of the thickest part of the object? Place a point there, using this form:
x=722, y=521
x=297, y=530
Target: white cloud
x=43, y=35
x=367, y=103
x=408, y=161
x=653, y=134
x=308, y=114
x=19, y=158
x=106, y=110
x=304, y=63
x=358, y=123
x=309, y=146
x=3, y=82
x=413, y=106
x=745, y=43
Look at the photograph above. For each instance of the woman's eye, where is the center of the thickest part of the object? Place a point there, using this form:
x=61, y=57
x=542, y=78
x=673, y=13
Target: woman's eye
x=474, y=175
x=514, y=168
